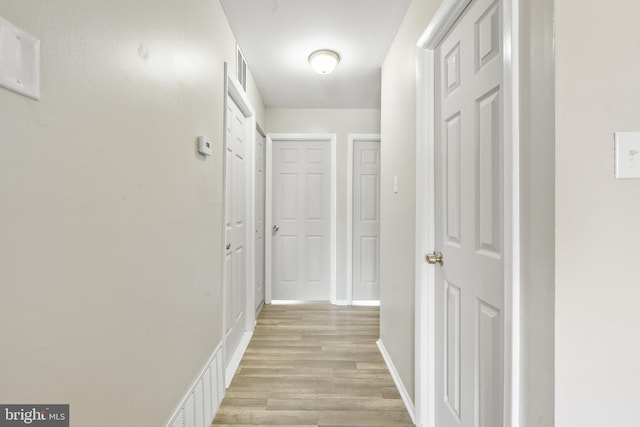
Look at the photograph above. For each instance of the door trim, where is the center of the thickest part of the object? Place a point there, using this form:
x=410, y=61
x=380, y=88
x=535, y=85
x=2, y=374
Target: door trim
x=443, y=20
x=352, y=138
x=268, y=223
x=234, y=90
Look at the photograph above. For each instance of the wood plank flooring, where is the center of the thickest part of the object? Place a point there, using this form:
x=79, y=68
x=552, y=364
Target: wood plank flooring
x=313, y=365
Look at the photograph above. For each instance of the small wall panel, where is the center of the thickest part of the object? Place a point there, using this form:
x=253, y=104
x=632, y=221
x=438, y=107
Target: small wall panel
x=314, y=201
x=198, y=400
x=488, y=179
x=452, y=187
x=452, y=356
x=207, y=394
x=200, y=404
x=190, y=412
x=179, y=419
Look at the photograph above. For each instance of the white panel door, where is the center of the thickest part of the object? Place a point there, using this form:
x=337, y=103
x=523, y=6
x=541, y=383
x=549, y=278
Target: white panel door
x=366, y=220
x=469, y=293
x=260, y=194
x=235, y=224
x=301, y=234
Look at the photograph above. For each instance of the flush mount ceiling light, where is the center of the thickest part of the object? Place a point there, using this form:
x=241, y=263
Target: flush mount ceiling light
x=324, y=61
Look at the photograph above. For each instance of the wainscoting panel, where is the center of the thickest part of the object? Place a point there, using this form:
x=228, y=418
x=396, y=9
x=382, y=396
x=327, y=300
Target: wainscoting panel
x=200, y=404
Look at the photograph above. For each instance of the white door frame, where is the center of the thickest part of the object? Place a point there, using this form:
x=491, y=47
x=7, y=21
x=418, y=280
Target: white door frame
x=268, y=223
x=444, y=19
x=234, y=90
x=352, y=137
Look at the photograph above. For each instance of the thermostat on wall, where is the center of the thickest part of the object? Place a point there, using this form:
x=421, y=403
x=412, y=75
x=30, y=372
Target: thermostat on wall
x=205, y=145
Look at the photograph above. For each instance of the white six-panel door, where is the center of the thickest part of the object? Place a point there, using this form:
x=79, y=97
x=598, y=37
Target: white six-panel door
x=366, y=219
x=235, y=220
x=301, y=220
x=469, y=231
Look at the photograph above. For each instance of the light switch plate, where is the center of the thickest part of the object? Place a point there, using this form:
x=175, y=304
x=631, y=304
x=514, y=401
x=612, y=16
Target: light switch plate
x=19, y=60
x=627, y=155
x=205, y=145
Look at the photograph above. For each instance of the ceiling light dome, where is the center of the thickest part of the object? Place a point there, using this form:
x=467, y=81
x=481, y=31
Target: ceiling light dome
x=324, y=61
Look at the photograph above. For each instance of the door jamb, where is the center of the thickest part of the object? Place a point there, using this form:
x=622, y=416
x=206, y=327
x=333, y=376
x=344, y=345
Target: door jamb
x=331, y=139
x=443, y=20
x=352, y=137
x=233, y=89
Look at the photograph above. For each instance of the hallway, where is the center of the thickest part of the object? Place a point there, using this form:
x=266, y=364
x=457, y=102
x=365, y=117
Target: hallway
x=313, y=365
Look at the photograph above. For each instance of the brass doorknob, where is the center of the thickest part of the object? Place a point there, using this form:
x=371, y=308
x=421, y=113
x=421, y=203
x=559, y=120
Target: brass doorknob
x=435, y=258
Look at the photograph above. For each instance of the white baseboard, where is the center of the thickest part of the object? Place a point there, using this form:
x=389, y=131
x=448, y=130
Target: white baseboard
x=366, y=303
x=199, y=406
x=396, y=379
x=236, y=358
x=341, y=302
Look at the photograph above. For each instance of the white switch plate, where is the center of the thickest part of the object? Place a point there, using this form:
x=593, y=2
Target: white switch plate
x=19, y=60
x=627, y=155
x=395, y=184
x=205, y=145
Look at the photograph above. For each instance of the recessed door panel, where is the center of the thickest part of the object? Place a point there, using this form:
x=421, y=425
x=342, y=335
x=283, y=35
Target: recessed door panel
x=488, y=366
x=488, y=178
x=453, y=178
x=369, y=260
x=451, y=348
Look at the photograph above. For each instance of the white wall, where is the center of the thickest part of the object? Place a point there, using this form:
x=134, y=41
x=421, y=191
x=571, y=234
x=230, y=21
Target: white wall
x=598, y=235
x=341, y=122
x=397, y=225
x=110, y=222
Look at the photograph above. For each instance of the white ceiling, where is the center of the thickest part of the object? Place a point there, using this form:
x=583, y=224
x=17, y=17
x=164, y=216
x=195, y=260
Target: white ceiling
x=277, y=37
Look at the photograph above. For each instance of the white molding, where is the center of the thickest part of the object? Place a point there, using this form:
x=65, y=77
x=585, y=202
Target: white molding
x=366, y=303
x=234, y=90
x=234, y=361
x=325, y=137
x=351, y=138
x=511, y=73
x=268, y=220
x=398, y=382
x=209, y=381
x=441, y=23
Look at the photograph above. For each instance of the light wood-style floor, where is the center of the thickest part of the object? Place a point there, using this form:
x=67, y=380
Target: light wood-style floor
x=313, y=365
